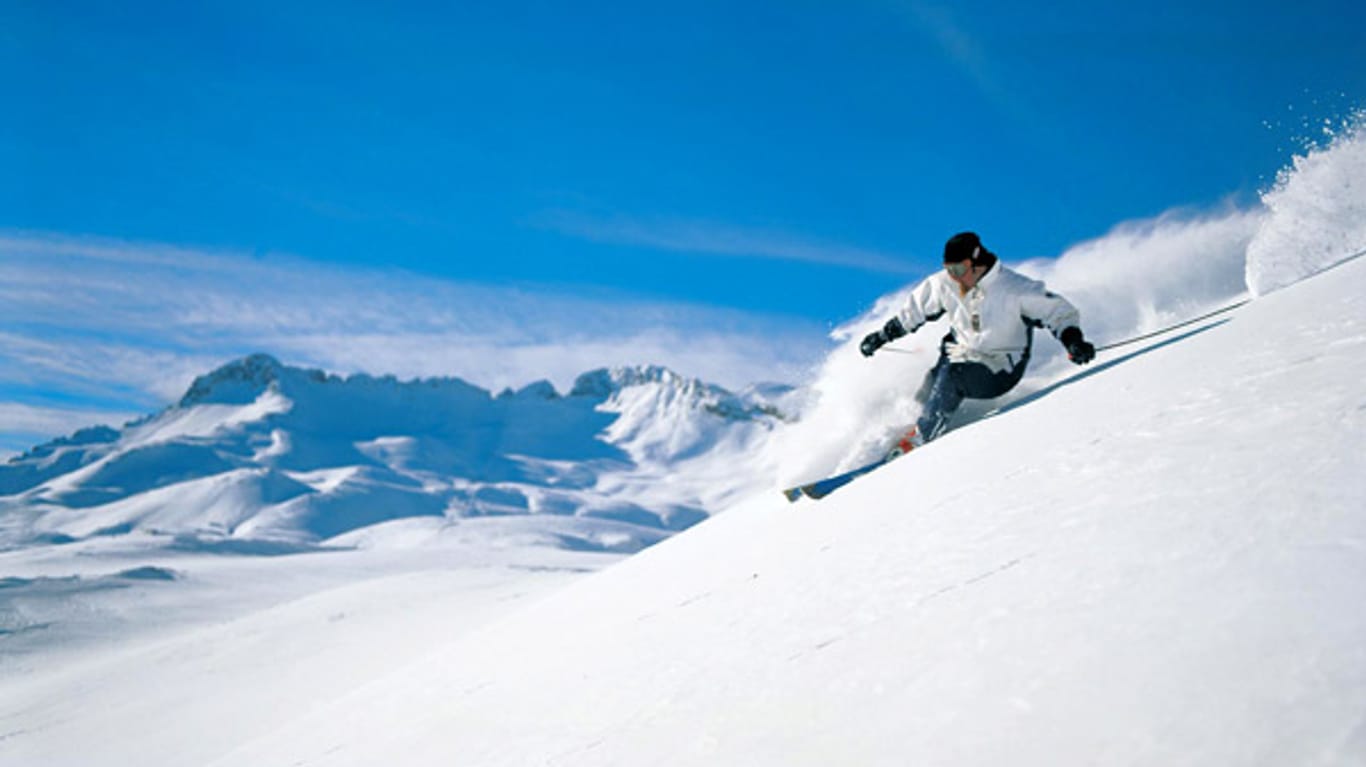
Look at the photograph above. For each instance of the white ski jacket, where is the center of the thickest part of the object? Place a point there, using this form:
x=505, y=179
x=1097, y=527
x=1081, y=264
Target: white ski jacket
x=992, y=322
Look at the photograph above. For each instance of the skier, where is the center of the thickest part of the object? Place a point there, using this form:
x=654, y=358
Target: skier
x=992, y=315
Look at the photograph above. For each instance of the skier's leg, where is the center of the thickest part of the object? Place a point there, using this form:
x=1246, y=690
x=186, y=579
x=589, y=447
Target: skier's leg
x=977, y=381
x=941, y=396
x=945, y=388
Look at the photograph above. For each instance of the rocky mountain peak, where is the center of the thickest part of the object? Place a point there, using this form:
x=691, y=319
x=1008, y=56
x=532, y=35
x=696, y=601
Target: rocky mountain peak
x=236, y=383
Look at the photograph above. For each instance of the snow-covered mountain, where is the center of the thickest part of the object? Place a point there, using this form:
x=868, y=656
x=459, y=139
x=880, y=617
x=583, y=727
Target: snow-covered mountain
x=260, y=451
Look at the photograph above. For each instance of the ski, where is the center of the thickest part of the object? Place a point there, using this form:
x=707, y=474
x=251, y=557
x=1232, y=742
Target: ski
x=821, y=488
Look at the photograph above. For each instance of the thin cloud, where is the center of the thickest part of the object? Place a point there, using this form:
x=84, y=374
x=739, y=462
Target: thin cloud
x=96, y=328
x=963, y=49
x=713, y=239
x=22, y=421
x=960, y=46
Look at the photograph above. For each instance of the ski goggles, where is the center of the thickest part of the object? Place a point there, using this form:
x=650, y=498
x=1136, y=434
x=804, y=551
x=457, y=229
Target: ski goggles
x=959, y=269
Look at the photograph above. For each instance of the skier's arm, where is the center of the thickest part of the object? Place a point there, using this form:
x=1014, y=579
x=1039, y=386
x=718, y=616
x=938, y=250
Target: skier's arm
x=1049, y=309
x=922, y=305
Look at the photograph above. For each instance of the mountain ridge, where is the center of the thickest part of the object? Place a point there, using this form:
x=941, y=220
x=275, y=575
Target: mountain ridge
x=369, y=449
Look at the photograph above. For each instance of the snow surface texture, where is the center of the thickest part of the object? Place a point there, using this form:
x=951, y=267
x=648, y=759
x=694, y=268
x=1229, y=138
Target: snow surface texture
x=1157, y=559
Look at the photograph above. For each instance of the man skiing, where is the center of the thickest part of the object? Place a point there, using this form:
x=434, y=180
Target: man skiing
x=992, y=314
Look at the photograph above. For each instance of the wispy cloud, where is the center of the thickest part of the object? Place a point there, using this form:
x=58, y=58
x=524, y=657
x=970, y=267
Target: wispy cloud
x=963, y=48
x=715, y=239
x=27, y=425
x=960, y=46
x=94, y=328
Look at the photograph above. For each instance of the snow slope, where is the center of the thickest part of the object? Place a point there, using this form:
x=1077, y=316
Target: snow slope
x=1171, y=576
x=178, y=669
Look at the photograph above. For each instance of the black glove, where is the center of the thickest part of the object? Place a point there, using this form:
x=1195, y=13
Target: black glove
x=877, y=339
x=1079, y=350
x=871, y=343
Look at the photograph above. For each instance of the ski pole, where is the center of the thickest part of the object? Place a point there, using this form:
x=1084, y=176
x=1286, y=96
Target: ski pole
x=1135, y=339
x=1217, y=312
x=1146, y=336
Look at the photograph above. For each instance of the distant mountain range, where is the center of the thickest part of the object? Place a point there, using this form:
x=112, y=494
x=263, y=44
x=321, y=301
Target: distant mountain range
x=264, y=452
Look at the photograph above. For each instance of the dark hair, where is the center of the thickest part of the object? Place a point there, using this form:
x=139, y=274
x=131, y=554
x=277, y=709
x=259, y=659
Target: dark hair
x=967, y=245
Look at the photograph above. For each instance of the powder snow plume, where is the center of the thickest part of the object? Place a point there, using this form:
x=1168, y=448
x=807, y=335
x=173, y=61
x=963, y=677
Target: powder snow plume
x=1316, y=212
x=1140, y=277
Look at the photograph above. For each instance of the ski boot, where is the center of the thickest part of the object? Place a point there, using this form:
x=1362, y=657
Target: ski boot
x=908, y=442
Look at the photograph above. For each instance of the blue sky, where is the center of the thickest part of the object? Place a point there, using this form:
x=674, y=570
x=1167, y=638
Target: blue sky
x=765, y=169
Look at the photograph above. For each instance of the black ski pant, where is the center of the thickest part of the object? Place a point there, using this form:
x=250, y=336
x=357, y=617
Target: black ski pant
x=949, y=383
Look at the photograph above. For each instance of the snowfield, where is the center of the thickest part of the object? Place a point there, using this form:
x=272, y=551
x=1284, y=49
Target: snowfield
x=1158, y=559
x=1172, y=577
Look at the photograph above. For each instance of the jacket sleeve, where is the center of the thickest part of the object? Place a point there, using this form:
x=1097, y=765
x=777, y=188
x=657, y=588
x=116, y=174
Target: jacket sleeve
x=924, y=304
x=1043, y=307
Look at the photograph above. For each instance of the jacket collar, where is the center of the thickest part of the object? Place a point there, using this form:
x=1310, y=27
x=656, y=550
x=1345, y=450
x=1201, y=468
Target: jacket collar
x=990, y=275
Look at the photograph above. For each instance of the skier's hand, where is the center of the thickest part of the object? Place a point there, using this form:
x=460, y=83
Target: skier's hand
x=876, y=340
x=872, y=342
x=1079, y=350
